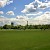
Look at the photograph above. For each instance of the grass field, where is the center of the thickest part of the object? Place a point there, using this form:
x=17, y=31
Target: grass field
x=25, y=40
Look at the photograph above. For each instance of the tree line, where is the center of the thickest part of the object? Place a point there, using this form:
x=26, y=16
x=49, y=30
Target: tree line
x=47, y=26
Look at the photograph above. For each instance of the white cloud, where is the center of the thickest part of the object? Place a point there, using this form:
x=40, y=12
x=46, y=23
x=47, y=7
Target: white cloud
x=29, y=8
x=43, y=19
x=19, y=20
x=34, y=14
x=4, y=20
x=22, y=20
x=10, y=13
x=21, y=17
x=44, y=5
x=5, y=2
x=35, y=11
x=35, y=5
x=1, y=12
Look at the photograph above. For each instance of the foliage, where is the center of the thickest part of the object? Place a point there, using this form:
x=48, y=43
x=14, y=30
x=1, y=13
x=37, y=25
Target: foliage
x=25, y=27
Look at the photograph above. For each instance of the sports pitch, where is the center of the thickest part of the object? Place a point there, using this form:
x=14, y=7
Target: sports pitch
x=24, y=39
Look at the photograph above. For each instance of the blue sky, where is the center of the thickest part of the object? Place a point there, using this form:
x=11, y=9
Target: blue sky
x=18, y=4
x=19, y=10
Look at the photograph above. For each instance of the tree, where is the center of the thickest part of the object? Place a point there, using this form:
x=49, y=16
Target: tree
x=12, y=24
x=5, y=26
x=1, y=27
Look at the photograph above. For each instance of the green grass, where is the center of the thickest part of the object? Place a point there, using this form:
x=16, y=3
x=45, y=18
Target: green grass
x=25, y=40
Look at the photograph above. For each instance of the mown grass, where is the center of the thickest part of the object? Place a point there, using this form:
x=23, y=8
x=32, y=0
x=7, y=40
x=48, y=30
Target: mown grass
x=24, y=39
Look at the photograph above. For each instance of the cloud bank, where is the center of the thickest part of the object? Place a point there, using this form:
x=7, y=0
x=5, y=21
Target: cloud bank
x=22, y=20
x=33, y=13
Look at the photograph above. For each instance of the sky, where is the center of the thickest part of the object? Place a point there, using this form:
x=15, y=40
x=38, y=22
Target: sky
x=21, y=11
